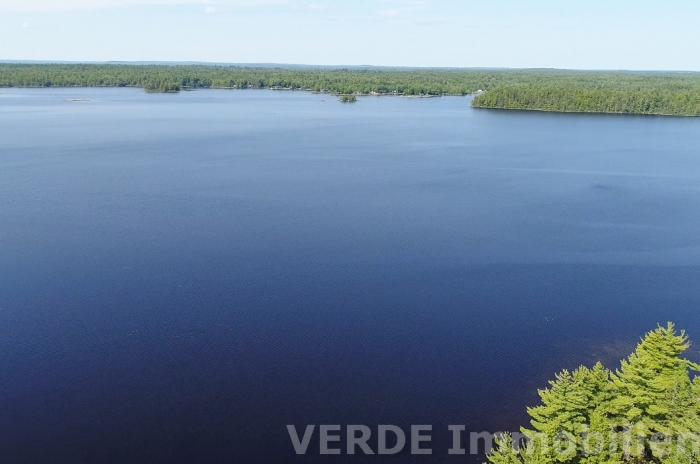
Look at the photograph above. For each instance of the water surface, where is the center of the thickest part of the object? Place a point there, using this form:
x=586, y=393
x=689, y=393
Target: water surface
x=181, y=276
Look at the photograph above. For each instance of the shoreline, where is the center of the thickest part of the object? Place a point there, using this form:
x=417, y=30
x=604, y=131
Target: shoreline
x=373, y=94
x=617, y=113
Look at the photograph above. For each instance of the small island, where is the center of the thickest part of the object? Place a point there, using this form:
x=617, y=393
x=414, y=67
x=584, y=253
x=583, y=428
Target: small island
x=347, y=99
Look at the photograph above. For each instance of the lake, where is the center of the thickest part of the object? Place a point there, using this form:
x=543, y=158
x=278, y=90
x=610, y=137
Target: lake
x=184, y=275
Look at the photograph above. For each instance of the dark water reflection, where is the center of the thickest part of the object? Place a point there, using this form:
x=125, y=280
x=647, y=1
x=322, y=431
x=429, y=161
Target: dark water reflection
x=183, y=275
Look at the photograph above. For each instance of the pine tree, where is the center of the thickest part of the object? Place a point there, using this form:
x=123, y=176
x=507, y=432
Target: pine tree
x=648, y=412
x=567, y=409
x=504, y=452
x=654, y=392
x=599, y=441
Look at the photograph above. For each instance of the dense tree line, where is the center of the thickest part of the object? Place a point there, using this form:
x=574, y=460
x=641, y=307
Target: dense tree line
x=648, y=411
x=551, y=90
x=337, y=81
x=646, y=99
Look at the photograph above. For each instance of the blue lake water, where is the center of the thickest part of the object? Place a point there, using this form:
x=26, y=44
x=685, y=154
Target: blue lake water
x=181, y=276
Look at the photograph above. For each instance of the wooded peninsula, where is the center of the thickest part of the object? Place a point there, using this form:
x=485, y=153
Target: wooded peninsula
x=663, y=93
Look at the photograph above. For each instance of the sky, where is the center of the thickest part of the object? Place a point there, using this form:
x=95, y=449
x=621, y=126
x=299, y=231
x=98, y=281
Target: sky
x=571, y=34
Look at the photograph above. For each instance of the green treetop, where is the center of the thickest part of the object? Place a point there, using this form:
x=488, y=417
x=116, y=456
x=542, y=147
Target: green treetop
x=654, y=390
x=646, y=412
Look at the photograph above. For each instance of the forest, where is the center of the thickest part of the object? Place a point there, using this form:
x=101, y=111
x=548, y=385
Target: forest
x=646, y=99
x=647, y=411
x=669, y=93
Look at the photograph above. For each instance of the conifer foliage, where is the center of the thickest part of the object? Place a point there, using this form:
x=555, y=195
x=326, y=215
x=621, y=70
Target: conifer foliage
x=648, y=411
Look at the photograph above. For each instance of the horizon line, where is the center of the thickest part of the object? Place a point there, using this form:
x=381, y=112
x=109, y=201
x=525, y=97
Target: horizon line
x=332, y=66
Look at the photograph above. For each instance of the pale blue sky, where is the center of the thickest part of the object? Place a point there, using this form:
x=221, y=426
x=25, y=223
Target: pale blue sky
x=592, y=34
